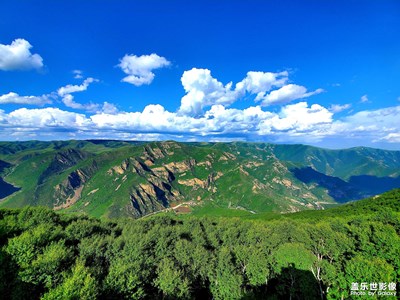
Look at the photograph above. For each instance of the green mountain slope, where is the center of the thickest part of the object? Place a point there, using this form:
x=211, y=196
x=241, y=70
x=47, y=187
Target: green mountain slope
x=133, y=179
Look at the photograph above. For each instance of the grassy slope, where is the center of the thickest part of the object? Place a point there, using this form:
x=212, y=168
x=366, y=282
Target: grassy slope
x=381, y=207
x=232, y=189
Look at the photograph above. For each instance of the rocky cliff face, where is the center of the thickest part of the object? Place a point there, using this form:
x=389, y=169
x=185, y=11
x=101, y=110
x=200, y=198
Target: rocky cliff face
x=156, y=191
x=164, y=181
x=61, y=161
x=69, y=191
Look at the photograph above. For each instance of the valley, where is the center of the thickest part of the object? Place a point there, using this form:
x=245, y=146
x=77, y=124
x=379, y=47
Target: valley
x=112, y=179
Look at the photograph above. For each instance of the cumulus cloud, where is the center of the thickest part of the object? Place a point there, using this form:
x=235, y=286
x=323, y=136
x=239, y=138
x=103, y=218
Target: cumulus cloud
x=44, y=118
x=261, y=82
x=14, y=98
x=203, y=90
x=297, y=122
x=336, y=108
x=17, y=56
x=154, y=119
x=236, y=122
x=204, y=114
x=300, y=117
x=287, y=94
x=139, y=68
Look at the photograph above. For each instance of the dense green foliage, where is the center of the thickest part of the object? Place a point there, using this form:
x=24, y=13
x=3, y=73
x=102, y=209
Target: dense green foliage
x=307, y=255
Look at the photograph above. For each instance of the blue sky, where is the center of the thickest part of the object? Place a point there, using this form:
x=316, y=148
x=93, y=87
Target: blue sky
x=324, y=73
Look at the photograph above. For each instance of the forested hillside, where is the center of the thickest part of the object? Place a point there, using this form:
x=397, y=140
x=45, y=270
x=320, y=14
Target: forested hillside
x=305, y=255
x=114, y=179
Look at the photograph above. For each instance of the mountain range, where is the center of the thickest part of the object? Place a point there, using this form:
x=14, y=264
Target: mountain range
x=106, y=178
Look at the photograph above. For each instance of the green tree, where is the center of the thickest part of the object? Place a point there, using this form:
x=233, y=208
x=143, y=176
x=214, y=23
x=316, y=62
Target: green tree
x=328, y=247
x=254, y=263
x=171, y=280
x=47, y=267
x=226, y=281
x=78, y=284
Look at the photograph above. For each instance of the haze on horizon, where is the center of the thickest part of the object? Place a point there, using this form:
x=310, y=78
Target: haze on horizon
x=318, y=73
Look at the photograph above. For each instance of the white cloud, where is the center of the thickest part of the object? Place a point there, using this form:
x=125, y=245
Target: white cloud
x=106, y=107
x=68, y=99
x=68, y=89
x=109, y=108
x=203, y=90
x=221, y=121
x=384, y=119
x=28, y=100
x=139, y=68
x=45, y=118
x=299, y=117
x=364, y=99
x=297, y=122
x=287, y=94
x=17, y=56
x=368, y=127
x=393, y=137
x=153, y=119
x=261, y=82
x=204, y=115
x=336, y=108
x=78, y=74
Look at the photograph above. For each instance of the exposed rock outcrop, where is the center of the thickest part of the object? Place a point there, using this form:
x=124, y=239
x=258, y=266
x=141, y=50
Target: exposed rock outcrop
x=62, y=161
x=152, y=196
x=69, y=191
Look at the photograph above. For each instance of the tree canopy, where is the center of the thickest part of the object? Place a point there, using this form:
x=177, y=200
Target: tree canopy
x=319, y=255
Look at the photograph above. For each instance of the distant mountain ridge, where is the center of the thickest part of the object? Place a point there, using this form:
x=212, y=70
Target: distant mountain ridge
x=133, y=179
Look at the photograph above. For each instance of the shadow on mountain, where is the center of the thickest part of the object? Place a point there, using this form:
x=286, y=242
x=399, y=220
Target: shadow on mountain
x=372, y=185
x=7, y=189
x=291, y=283
x=4, y=165
x=341, y=191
